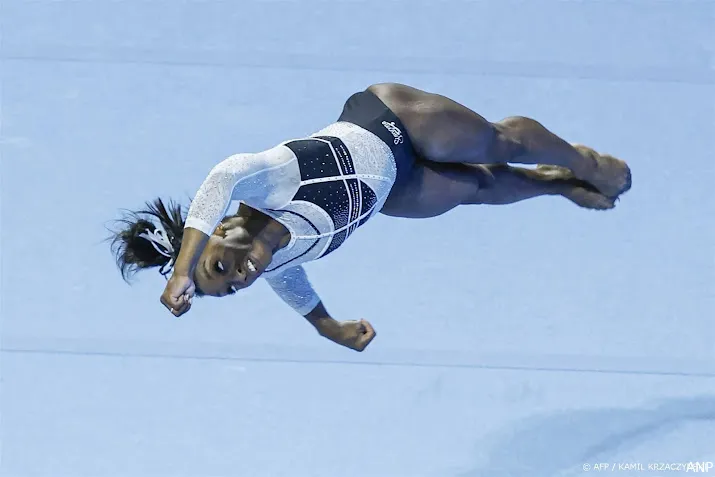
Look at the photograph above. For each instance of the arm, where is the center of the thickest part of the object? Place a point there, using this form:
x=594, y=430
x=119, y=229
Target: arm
x=294, y=288
x=267, y=179
x=259, y=178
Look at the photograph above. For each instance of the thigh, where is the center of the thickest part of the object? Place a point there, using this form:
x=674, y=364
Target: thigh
x=432, y=189
x=441, y=129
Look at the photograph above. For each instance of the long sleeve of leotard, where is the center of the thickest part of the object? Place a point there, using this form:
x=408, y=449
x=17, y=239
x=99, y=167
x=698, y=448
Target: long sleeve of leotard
x=295, y=289
x=267, y=179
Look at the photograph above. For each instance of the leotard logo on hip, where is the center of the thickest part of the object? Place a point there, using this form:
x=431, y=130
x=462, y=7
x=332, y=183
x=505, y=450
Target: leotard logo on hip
x=395, y=131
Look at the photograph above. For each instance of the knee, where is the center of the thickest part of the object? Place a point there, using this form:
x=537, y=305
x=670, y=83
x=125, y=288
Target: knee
x=520, y=123
x=511, y=138
x=520, y=128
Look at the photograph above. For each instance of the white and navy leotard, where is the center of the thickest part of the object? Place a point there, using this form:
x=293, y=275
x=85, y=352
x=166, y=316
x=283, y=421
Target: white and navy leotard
x=321, y=188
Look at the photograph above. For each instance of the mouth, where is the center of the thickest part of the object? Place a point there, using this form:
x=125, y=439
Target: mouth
x=251, y=266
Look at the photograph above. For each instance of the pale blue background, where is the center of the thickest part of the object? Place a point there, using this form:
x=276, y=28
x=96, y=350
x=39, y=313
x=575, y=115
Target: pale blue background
x=524, y=340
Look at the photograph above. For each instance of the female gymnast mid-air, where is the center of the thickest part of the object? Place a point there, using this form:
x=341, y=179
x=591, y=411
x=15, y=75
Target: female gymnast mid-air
x=395, y=150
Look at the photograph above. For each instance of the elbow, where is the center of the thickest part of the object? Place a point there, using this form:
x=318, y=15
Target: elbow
x=232, y=170
x=223, y=169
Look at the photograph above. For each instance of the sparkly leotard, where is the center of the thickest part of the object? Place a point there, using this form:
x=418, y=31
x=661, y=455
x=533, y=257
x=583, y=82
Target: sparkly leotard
x=321, y=188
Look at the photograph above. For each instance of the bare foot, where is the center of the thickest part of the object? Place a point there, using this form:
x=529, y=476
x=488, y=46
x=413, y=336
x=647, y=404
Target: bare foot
x=577, y=191
x=612, y=176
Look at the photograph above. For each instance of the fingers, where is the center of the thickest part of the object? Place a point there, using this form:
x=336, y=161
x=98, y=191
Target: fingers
x=366, y=335
x=366, y=327
x=177, y=306
x=184, y=306
x=178, y=294
x=191, y=291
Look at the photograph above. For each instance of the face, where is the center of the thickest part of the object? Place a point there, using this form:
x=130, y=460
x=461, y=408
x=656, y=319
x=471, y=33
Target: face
x=234, y=258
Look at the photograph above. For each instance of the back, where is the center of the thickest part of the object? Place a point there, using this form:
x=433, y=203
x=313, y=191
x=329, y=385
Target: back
x=346, y=174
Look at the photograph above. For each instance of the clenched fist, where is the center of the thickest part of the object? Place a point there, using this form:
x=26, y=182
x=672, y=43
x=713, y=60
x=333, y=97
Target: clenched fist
x=354, y=334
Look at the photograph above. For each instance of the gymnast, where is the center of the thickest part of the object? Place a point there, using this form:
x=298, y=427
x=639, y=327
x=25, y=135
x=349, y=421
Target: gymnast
x=395, y=150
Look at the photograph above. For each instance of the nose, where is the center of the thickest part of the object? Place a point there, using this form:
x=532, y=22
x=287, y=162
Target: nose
x=240, y=277
x=224, y=268
x=239, y=273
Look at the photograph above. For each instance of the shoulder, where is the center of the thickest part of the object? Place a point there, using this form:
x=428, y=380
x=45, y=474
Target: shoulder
x=259, y=161
x=278, y=154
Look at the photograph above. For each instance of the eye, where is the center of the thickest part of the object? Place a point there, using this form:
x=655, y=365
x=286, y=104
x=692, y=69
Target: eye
x=218, y=266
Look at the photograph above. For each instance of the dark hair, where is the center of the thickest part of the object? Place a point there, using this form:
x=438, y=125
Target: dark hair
x=134, y=252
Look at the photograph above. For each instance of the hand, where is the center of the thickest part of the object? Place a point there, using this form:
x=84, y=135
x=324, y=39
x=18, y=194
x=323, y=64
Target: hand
x=178, y=294
x=354, y=334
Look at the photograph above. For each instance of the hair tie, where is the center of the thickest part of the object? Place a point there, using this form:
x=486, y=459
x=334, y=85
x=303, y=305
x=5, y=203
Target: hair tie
x=159, y=240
